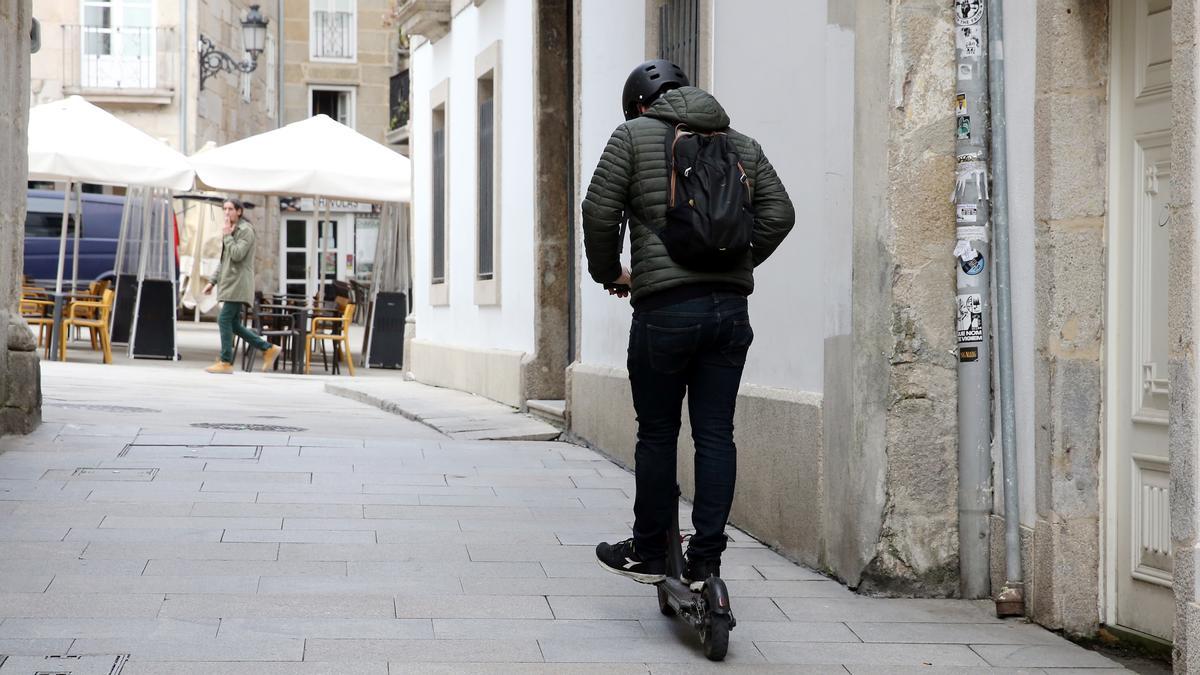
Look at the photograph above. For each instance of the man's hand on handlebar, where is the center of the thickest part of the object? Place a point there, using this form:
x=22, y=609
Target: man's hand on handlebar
x=621, y=285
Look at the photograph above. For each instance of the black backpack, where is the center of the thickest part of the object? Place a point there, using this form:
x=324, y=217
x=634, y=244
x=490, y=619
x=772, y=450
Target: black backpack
x=710, y=221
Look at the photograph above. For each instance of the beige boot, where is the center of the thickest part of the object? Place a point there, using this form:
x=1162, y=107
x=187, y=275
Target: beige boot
x=269, y=357
x=220, y=367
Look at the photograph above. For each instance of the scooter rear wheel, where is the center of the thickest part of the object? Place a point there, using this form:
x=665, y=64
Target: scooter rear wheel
x=715, y=636
x=663, y=605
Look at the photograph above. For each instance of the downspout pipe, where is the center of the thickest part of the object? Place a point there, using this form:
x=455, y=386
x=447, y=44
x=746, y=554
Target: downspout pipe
x=1010, y=601
x=972, y=260
x=184, y=57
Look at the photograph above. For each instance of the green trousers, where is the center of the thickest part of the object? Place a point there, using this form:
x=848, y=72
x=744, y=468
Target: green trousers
x=229, y=321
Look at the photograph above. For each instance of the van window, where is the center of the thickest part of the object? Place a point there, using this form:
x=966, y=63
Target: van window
x=44, y=224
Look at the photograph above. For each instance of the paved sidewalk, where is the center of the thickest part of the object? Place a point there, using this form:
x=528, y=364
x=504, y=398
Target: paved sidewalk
x=457, y=414
x=336, y=538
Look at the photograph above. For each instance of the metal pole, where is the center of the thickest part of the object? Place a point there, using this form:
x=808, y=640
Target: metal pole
x=971, y=255
x=1011, y=599
x=75, y=235
x=56, y=329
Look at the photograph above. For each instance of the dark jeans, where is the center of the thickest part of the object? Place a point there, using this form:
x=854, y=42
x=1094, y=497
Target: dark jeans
x=229, y=321
x=698, y=347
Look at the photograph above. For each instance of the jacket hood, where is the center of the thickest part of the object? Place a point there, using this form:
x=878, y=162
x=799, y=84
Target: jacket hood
x=691, y=106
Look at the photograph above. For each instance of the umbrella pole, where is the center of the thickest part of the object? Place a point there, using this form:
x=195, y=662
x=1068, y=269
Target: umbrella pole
x=56, y=330
x=197, y=251
x=75, y=248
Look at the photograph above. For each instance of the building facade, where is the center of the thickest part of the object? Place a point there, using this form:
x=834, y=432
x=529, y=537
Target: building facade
x=847, y=425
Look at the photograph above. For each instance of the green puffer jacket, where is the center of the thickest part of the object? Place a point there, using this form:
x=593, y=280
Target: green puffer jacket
x=235, y=276
x=632, y=177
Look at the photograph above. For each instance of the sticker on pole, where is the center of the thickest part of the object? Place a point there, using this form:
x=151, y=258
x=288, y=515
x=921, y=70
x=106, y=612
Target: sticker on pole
x=960, y=104
x=970, y=318
x=970, y=260
x=964, y=127
x=965, y=72
x=967, y=213
x=968, y=354
x=968, y=41
x=968, y=12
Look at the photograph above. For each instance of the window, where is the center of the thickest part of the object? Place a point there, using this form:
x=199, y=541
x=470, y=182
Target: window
x=487, y=123
x=333, y=30
x=679, y=35
x=46, y=224
x=117, y=47
x=487, y=183
x=439, y=195
x=336, y=102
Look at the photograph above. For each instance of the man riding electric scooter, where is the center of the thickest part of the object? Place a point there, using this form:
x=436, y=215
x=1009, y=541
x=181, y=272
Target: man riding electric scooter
x=704, y=207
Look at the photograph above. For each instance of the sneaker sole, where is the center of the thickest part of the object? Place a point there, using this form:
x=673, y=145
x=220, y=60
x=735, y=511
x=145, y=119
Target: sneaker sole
x=639, y=577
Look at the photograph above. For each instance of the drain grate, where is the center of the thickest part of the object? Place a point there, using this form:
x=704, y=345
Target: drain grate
x=82, y=664
x=162, y=451
x=99, y=407
x=237, y=426
x=96, y=473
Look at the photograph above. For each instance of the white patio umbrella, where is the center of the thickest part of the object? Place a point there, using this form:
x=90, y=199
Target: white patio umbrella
x=316, y=156
x=74, y=141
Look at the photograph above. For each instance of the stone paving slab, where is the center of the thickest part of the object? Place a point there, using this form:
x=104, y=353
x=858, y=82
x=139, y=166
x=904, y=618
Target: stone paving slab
x=385, y=547
x=455, y=413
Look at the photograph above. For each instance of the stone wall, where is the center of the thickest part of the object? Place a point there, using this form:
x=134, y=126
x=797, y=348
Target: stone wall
x=1185, y=371
x=894, y=486
x=1070, y=198
x=20, y=384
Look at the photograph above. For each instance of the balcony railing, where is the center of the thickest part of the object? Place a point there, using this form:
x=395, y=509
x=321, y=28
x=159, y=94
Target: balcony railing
x=121, y=61
x=333, y=35
x=398, y=89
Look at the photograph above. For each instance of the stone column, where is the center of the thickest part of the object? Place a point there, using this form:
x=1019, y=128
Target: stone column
x=20, y=384
x=1184, y=368
x=1070, y=203
x=543, y=371
x=891, y=463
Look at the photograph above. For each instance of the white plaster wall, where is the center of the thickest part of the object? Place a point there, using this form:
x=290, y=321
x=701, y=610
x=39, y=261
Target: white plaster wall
x=462, y=323
x=611, y=43
x=1020, y=28
x=800, y=109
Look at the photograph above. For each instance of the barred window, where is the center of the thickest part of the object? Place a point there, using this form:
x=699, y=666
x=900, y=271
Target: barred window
x=333, y=30
x=486, y=235
x=679, y=35
x=439, y=196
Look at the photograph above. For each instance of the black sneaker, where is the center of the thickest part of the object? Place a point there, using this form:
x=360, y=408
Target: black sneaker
x=697, y=570
x=621, y=558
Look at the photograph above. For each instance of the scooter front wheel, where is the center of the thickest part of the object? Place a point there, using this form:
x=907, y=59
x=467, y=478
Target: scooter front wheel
x=663, y=605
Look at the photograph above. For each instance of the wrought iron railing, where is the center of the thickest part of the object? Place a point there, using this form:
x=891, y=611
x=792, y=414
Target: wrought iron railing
x=398, y=88
x=120, y=57
x=333, y=35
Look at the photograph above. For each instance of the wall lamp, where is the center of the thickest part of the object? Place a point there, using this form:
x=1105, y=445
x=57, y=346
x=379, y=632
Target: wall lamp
x=254, y=38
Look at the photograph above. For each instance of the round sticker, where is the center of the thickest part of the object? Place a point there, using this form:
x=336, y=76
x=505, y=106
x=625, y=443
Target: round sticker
x=968, y=12
x=972, y=266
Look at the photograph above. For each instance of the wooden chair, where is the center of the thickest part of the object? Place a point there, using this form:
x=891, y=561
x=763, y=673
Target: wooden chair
x=335, y=329
x=37, y=311
x=95, y=293
x=76, y=317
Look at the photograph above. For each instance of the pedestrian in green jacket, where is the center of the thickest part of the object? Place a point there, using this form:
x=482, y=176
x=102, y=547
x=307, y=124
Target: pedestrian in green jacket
x=690, y=331
x=234, y=280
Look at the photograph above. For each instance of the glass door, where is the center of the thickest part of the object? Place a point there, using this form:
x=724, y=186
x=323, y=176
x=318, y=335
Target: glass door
x=118, y=49
x=332, y=240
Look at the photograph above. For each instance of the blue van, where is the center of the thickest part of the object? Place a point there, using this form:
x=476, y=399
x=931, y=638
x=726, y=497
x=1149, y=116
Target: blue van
x=98, y=235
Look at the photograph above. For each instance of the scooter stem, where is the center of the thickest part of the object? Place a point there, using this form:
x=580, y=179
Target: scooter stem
x=675, y=542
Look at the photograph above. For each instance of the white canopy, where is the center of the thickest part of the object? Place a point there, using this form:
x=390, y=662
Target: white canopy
x=317, y=156
x=73, y=140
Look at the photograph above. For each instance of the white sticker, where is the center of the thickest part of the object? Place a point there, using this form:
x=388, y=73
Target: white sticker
x=971, y=233
x=965, y=72
x=968, y=213
x=969, y=326
x=968, y=40
x=968, y=12
x=970, y=157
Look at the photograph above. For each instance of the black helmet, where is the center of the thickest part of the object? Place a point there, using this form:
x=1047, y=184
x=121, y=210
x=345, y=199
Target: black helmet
x=649, y=80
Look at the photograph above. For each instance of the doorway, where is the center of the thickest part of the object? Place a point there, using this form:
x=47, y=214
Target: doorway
x=331, y=238
x=1137, y=531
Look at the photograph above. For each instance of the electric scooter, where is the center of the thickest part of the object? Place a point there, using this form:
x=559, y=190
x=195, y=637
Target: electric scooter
x=707, y=610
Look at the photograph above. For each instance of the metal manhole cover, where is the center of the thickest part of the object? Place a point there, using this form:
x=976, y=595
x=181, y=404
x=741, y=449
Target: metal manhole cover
x=83, y=664
x=231, y=426
x=125, y=474
x=100, y=407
